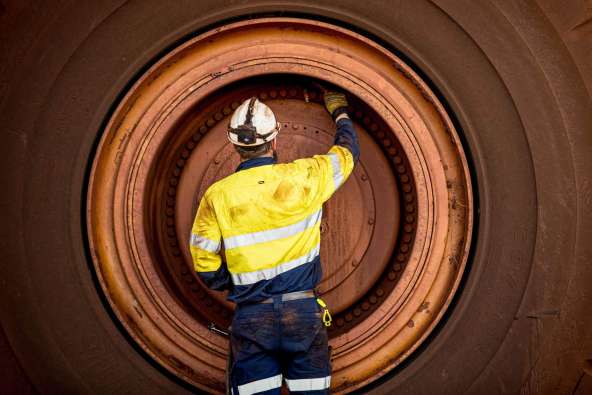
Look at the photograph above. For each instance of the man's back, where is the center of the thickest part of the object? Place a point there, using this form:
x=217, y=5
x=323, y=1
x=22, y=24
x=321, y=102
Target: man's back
x=268, y=217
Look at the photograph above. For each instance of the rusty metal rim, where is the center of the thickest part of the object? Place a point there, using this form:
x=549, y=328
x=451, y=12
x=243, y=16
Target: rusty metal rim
x=114, y=281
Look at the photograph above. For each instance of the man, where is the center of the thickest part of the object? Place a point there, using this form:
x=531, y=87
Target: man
x=267, y=216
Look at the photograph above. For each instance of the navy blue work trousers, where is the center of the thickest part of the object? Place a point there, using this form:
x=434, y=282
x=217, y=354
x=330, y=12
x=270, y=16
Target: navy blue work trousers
x=280, y=340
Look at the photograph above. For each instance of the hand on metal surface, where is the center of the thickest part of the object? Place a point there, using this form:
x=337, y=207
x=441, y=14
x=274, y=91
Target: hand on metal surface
x=334, y=101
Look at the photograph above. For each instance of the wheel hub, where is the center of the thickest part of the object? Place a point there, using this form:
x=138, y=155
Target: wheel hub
x=394, y=238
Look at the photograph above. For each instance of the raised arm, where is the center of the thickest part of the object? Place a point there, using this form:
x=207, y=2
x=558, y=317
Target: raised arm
x=331, y=170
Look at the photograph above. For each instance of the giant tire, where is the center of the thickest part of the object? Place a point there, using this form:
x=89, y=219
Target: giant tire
x=516, y=86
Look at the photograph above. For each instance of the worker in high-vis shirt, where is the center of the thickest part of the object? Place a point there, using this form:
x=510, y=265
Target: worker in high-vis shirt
x=266, y=217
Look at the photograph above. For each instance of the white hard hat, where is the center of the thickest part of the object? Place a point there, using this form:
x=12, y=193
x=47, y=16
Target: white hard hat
x=252, y=123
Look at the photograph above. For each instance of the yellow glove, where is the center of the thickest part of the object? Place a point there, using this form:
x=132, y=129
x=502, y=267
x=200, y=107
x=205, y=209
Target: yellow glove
x=334, y=101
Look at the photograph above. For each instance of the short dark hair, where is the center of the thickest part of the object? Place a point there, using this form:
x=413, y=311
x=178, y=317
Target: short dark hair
x=253, y=151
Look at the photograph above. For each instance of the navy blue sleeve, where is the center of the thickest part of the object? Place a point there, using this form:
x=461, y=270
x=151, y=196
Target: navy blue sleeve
x=219, y=280
x=347, y=137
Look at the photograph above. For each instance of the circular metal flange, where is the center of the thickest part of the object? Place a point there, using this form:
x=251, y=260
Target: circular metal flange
x=163, y=146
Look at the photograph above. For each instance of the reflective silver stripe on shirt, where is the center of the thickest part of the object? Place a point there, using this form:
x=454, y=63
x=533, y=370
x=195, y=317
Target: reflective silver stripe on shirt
x=204, y=243
x=337, y=173
x=254, y=387
x=315, y=384
x=268, y=274
x=272, y=234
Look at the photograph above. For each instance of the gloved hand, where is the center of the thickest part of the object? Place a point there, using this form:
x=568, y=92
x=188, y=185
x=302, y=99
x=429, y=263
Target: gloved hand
x=334, y=101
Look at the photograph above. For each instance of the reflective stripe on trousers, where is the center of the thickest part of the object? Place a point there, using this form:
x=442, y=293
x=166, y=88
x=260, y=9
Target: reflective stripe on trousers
x=262, y=385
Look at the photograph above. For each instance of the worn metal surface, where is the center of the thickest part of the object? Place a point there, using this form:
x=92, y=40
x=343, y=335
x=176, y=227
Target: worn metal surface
x=395, y=238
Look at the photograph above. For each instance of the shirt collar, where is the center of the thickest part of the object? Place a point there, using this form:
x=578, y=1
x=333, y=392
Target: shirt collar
x=254, y=162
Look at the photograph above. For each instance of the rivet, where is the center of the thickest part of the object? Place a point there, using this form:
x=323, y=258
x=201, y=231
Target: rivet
x=283, y=93
x=234, y=105
x=401, y=169
x=386, y=142
x=170, y=202
x=406, y=188
x=396, y=267
x=379, y=292
x=408, y=228
x=357, y=312
x=196, y=137
x=397, y=159
x=339, y=322
x=380, y=134
x=365, y=306
x=374, y=127
x=169, y=212
x=392, y=151
x=273, y=94
x=184, y=154
x=263, y=96
x=226, y=110
x=171, y=232
x=373, y=299
x=218, y=116
x=408, y=197
x=407, y=238
x=210, y=122
x=190, y=145
x=173, y=182
x=404, y=178
x=171, y=192
x=409, y=208
x=203, y=129
x=348, y=317
x=400, y=257
x=404, y=248
x=180, y=163
x=409, y=218
x=392, y=276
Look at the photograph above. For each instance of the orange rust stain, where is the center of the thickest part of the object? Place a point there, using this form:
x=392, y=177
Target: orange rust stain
x=284, y=191
x=238, y=211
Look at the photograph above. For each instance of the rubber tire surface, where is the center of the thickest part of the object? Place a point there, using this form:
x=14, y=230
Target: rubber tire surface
x=515, y=74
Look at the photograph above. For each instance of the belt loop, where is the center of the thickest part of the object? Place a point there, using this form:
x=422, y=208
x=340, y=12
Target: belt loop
x=277, y=299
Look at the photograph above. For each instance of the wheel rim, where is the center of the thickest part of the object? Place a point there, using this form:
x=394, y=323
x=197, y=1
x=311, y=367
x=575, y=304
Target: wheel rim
x=389, y=282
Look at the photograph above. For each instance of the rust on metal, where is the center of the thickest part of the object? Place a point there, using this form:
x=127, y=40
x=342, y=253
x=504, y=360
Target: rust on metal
x=395, y=238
